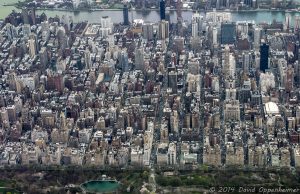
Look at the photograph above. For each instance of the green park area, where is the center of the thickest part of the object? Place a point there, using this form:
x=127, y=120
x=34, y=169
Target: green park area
x=54, y=180
x=7, y=187
x=201, y=181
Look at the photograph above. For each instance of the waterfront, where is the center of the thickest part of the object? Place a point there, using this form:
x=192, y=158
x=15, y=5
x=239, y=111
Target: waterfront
x=5, y=10
x=195, y=110
x=153, y=16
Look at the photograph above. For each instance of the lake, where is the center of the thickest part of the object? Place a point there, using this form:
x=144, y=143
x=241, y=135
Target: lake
x=101, y=186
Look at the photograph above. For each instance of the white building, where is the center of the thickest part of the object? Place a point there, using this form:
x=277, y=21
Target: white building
x=271, y=109
x=218, y=17
x=172, y=157
x=267, y=81
x=257, y=36
x=288, y=21
x=136, y=156
x=32, y=48
x=296, y=153
x=197, y=21
x=163, y=30
x=106, y=26
x=215, y=36
x=193, y=83
x=242, y=28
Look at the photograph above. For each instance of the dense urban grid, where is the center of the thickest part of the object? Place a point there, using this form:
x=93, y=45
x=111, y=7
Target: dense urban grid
x=141, y=94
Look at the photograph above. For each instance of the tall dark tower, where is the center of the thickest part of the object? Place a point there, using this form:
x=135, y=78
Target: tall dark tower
x=264, y=57
x=125, y=15
x=179, y=18
x=32, y=16
x=162, y=10
x=28, y=16
x=179, y=10
x=25, y=17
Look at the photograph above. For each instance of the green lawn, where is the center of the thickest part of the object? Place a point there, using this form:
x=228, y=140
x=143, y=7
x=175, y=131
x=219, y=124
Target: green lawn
x=174, y=181
x=5, y=186
x=4, y=183
x=8, y=191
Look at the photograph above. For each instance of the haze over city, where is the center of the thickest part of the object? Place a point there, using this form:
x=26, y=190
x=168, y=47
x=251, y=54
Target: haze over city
x=156, y=96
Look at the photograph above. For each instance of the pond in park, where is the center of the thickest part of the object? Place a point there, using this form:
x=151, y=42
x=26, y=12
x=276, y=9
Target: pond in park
x=101, y=186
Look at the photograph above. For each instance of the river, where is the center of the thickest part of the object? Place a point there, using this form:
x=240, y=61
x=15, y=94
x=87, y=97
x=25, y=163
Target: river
x=5, y=10
x=153, y=16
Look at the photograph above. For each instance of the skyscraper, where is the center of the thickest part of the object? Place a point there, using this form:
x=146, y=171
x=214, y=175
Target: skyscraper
x=139, y=59
x=196, y=24
x=297, y=22
x=289, y=82
x=179, y=10
x=11, y=31
x=257, y=35
x=248, y=2
x=168, y=14
x=227, y=33
x=25, y=16
x=147, y=31
x=226, y=59
x=195, y=31
x=264, y=57
x=215, y=36
x=32, y=16
x=87, y=59
x=125, y=15
x=172, y=81
x=28, y=16
x=288, y=20
x=105, y=22
x=178, y=44
x=123, y=60
x=62, y=38
x=106, y=26
x=26, y=30
x=246, y=61
x=163, y=30
x=32, y=48
x=43, y=57
x=162, y=10
x=179, y=18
